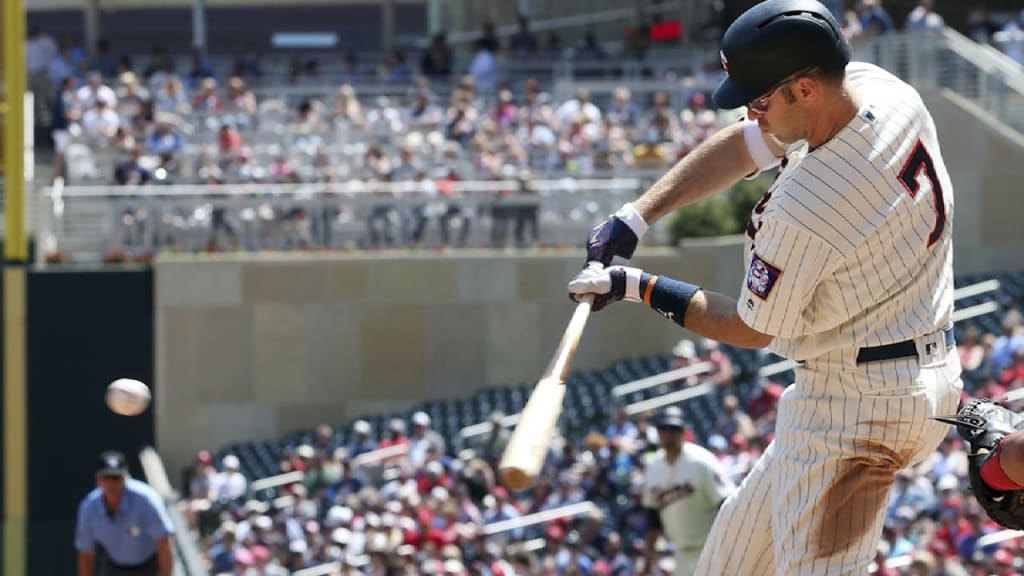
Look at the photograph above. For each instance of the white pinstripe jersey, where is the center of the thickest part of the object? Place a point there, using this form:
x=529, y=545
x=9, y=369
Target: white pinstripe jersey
x=687, y=493
x=851, y=246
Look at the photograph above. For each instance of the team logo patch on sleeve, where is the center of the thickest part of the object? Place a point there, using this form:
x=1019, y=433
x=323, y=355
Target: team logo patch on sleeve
x=761, y=277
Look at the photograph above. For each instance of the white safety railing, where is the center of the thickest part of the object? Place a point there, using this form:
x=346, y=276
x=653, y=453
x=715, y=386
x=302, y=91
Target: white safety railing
x=188, y=560
x=87, y=223
x=540, y=517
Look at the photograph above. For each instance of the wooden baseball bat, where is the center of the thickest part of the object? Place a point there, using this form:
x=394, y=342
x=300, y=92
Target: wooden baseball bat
x=524, y=455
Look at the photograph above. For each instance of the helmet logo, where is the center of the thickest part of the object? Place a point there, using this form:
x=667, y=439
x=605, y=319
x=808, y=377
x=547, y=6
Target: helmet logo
x=725, y=61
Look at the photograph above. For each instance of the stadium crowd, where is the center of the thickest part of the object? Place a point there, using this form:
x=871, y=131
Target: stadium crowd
x=424, y=510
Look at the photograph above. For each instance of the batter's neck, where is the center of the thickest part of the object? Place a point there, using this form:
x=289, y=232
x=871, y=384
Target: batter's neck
x=835, y=120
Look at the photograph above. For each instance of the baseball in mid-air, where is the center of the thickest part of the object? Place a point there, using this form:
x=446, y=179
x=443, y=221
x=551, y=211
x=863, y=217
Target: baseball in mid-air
x=128, y=397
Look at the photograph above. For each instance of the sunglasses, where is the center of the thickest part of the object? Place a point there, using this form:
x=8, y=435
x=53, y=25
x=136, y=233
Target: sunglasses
x=759, y=105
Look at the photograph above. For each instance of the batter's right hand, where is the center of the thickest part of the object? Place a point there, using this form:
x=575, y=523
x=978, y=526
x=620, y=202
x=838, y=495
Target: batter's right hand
x=616, y=236
x=607, y=285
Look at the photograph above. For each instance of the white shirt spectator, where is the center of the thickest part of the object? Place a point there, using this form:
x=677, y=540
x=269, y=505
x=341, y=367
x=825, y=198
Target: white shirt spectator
x=924, y=18
x=89, y=94
x=568, y=112
x=229, y=483
x=100, y=124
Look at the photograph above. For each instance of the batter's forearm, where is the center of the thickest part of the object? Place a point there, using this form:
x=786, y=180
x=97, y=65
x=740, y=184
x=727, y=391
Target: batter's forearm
x=716, y=164
x=714, y=316
x=707, y=313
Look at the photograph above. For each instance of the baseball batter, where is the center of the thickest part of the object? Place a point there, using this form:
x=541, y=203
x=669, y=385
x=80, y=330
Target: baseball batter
x=849, y=271
x=684, y=486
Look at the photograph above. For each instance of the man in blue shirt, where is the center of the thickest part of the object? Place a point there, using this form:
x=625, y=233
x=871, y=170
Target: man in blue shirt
x=123, y=528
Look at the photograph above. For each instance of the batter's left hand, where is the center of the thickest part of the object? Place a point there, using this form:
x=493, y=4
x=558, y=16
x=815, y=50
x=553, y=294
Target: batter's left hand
x=616, y=236
x=606, y=284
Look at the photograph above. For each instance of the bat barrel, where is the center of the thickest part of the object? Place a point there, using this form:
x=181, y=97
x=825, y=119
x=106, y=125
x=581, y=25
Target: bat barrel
x=527, y=448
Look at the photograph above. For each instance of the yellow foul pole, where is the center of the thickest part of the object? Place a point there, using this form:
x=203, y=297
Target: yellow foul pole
x=15, y=389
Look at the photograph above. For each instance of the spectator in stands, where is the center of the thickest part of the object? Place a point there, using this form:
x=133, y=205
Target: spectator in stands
x=206, y=98
x=874, y=19
x=684, y=354
x=572, y=109
x=66, y=113
x=347, y=110
x=491, y=444
x=621, y=428
x=240, y=98
x=970, y=350
x=95, y=90
x=131, y=172
x=122, y=525
x=623, y=111
x=361, y=442
x=100, y=123
x=1011, y=340
x=203, y=477
x=1013, y=375
x=247, y=66
x=436, y=61
x=230, y=483
x=423, y=439
x=589, y=49
x=924, y=17
x=62, y=66
x=165, y=140
x=483, y=67
x=396, y=434
x=882, y=553
x=200, y=70
x=1012, y=38
x=385, y=117
x=308, y=120
x=522, y=44
x=40, y=51
x=424, y=114
x=721, y=366
x=171, y=97
x=222, y=554
x=734, y=420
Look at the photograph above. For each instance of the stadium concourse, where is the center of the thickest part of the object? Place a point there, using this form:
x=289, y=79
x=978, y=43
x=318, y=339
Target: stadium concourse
x=342, y=499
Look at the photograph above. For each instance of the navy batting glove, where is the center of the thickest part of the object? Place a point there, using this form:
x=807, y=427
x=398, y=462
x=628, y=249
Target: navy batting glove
x=616, y=236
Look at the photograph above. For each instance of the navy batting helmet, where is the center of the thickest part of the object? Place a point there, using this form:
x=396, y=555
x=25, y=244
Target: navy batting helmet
x=774, y=40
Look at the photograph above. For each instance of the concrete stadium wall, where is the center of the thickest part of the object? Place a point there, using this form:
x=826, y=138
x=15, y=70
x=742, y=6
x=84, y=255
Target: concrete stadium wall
x=984, y=159
x=252, y=349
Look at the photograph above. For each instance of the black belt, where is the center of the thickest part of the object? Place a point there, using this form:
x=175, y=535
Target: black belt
x=903, y=349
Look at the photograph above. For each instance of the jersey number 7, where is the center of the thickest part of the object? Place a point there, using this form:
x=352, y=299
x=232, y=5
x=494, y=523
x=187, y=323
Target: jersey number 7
x=919, y=160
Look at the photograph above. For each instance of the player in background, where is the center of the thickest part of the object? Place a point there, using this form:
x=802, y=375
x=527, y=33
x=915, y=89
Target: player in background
x=849, y=271
x=684, y=486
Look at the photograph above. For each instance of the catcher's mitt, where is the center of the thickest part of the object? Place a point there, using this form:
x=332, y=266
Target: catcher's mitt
x=982, y=424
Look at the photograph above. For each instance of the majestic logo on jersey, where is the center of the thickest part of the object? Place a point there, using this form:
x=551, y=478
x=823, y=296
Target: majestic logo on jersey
x=725, y=61
x=761, y=277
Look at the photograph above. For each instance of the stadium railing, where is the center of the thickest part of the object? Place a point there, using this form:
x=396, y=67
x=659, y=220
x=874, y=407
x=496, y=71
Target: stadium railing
x=946, y=59
x=88, y=222
x=188, y=561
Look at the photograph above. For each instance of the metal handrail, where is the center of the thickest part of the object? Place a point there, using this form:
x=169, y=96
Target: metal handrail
x=187, y=549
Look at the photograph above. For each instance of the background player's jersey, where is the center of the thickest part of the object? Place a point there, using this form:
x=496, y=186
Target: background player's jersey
x=687, y=493
x=851, y=246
